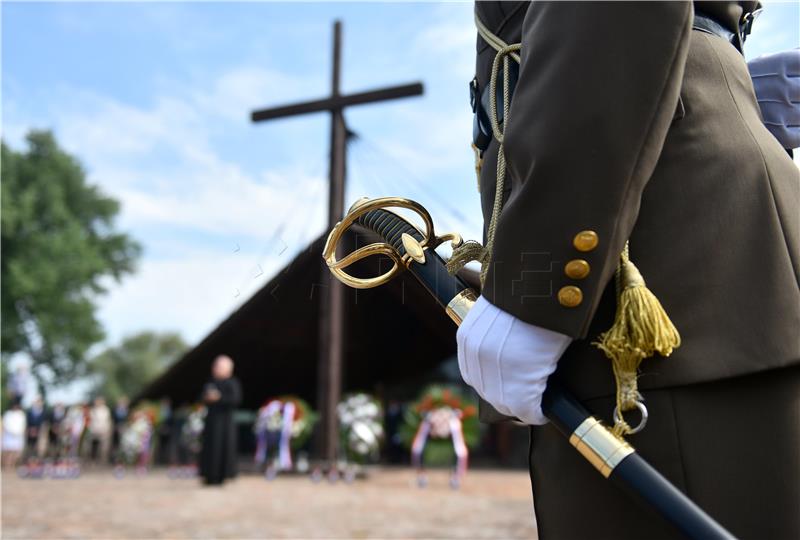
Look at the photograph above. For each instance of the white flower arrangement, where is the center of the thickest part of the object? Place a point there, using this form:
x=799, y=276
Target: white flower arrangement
x=136, y=437
x=192, y=430
x=361, y=419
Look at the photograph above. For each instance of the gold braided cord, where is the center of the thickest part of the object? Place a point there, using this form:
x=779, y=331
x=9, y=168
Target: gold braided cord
x=497, y=207
x=503, y=55
x=492, y=39
x=474, y=251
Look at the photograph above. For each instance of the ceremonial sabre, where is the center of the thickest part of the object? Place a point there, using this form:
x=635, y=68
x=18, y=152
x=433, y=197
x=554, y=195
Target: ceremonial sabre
x=412, y=249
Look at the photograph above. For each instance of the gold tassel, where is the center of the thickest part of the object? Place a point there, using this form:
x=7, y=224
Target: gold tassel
x=641, y=328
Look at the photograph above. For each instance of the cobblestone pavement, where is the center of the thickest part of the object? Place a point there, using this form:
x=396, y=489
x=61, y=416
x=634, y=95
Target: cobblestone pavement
x=490, y=504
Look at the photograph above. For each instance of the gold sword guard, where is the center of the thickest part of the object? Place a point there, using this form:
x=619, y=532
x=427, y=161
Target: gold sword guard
x=414, y=250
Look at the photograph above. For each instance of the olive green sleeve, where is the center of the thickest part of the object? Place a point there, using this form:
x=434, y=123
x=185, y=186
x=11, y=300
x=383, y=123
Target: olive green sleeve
x=598, y=87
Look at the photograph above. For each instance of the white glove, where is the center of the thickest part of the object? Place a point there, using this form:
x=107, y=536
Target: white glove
x=507, y=361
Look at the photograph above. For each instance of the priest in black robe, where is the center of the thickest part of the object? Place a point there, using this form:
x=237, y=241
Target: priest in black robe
x=221, y=395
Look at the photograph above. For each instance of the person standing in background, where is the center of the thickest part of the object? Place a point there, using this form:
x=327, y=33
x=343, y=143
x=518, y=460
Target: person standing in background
x=55, y=426
x=13, y=434
x=221, y=395
x=100, y=431
x=72, y=430
x=120, y=417
x=35, y=422
x=164, y=432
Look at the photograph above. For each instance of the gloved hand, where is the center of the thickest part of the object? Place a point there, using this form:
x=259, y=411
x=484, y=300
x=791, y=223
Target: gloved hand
x=507, y=361
x=776, y=79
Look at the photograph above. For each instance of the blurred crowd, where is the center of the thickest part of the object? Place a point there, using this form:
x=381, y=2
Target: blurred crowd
x=83, y=430
x=97, y=434
x=203, y=438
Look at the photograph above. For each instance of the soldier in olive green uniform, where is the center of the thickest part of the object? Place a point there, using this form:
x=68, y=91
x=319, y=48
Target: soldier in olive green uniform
x=638, y=122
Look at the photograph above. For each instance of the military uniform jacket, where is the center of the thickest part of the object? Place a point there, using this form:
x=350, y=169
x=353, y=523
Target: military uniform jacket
x=628, y=123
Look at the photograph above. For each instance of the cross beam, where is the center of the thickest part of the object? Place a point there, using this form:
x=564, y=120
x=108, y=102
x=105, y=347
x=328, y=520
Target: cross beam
x=338, y=102
x=331, y=328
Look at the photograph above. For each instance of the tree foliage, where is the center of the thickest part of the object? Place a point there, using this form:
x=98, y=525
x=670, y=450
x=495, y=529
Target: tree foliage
x=60, y=250
x=5, y=398
x=125, y=369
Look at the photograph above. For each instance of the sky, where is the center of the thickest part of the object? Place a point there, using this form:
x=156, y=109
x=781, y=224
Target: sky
x=154, y=99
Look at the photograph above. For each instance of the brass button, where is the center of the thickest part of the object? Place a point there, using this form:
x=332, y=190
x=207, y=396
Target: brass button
x=570, y=296
x=577, y=269
x=585, y=241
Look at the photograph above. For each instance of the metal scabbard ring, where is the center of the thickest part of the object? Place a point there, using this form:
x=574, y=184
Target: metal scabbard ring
x=414, y=249
x=643, y=422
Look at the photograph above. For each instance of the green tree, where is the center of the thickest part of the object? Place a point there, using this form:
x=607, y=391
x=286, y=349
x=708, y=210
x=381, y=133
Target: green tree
x=4, y=397
x=126, y=368
x=60, y=250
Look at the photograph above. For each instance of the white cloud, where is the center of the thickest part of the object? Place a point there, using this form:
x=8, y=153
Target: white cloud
x=192, y=293
x=160, y=162
x=109, y=135
x=450, y=38
x=213, y=196
x=233, y=93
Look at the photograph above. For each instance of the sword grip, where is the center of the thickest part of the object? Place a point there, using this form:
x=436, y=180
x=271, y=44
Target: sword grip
x=390, y=227
x=432, y=273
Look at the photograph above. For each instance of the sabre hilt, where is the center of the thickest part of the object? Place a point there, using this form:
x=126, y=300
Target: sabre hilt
x=409, y=247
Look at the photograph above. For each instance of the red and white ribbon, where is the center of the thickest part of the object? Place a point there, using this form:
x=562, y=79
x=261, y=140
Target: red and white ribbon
x=457, y=435
x=75, y=431
x=285, y=449
x=459, y=445
x=284, y=442
x=261, y=430
x=418, y=446
x=144, y=450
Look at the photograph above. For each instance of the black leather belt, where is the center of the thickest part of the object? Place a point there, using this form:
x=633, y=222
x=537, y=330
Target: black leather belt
x=479, y=98
x=481, y=125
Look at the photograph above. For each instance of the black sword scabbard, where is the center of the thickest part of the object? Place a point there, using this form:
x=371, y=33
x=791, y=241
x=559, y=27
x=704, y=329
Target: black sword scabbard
x=614, y=458
x=630, y=472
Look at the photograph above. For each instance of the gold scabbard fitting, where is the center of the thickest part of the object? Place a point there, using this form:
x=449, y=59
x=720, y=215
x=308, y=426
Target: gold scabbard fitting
x=459, y=306
x=599, y=446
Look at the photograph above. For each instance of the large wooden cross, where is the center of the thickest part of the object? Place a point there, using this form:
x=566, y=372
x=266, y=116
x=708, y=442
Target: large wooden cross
x=331, y=328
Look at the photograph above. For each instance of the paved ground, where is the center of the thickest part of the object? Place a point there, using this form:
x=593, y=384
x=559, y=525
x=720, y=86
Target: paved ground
x=490, y=504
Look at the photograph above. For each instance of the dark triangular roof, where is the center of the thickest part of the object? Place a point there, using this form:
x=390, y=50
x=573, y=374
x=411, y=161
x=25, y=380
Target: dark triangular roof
x=394, y=333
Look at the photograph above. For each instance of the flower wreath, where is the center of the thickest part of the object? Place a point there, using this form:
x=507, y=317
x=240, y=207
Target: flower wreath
x=192, y=430
x=361, y=420
x=427, y=430
x=288, y=416
x=136, y=439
